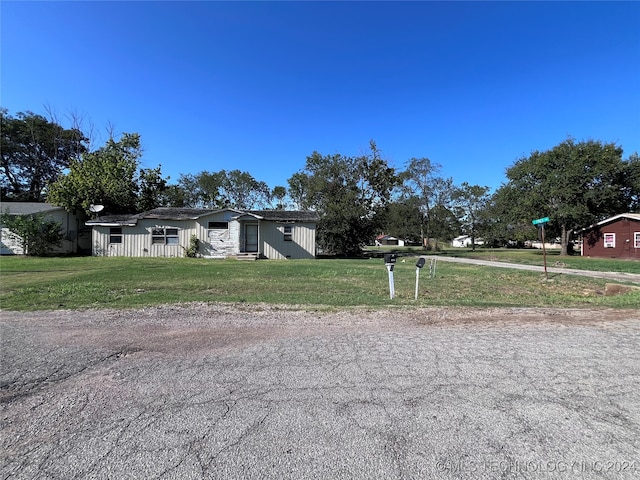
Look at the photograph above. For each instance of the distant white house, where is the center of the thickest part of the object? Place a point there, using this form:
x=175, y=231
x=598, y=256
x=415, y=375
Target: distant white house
x=389, y=240
x=465, y=241
x=76, y=237
x=167, y=232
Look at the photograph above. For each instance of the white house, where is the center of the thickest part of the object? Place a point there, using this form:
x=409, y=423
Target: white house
x=465, y=241
x=167, y=232
x=76, y=236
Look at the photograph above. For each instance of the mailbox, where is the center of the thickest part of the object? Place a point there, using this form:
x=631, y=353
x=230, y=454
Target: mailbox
x=389, y=260
x=420, y=262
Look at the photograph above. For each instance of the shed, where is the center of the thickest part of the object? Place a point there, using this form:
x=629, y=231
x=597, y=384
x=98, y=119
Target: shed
x=76, y=237
x=614, y=237
x=167, y=232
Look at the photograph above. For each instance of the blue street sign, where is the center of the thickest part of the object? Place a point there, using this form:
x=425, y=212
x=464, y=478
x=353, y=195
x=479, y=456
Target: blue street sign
x=540, y=220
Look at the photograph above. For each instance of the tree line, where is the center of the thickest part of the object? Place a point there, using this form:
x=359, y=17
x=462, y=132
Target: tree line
x=357, y=197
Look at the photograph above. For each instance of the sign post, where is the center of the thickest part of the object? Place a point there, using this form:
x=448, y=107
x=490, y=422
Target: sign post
x=390, y=262
x=541, y=222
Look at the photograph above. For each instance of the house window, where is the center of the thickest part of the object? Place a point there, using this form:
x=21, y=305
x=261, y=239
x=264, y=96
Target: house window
x=636, y=240
x=609, y=240
x=288, y=233
x=115, y=235
x=218, y=225
x=164, y=236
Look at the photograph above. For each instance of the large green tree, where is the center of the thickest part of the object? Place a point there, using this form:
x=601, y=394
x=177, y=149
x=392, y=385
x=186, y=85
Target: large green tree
x=348, y=193
x=421, y=181
x=35, y=151
x=232, y=188
x=575, y=184
x=108, y=176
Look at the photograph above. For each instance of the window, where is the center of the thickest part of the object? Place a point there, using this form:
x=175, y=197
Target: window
x=164, y=236
x=218, y=225
x=609, y=240
x=288, y=233
x=636, y=240
x=115, y=235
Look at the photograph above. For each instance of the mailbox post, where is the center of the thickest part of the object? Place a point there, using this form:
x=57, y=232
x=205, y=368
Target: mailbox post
x=419, y=265
x=390, y=262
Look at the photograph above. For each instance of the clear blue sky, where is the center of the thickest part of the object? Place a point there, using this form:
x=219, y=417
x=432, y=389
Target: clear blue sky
x=260, y=86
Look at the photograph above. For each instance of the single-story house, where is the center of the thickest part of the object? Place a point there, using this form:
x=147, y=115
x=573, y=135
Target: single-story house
x=614, y=237
x=167, y=232
x=465, y=241
x=76, y=237
x=388, y=240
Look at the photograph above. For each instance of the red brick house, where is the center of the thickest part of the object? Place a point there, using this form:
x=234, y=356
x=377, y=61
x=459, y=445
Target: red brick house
x=615, y=237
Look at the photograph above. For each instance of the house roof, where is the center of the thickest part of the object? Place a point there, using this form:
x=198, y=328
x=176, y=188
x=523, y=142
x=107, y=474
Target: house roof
x=630, y=216
x=286, y=215
x=28, y=208
x=170, y=213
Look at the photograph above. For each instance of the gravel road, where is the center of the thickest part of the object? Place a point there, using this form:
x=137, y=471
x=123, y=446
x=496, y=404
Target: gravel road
x=231, y=391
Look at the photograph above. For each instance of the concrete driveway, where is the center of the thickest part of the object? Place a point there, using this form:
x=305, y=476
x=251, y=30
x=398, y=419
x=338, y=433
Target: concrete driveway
x=225, y=392
x=551, y=269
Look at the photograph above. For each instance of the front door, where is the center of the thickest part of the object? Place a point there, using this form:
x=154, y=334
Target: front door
x=251, y=238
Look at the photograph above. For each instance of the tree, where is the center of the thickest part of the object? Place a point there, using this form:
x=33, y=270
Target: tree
x=107, y=177
x=37, y=235
x=469, y=202
x=348, y=193
x=421, y=181
x=151, y=189
x=575, y=184
x=35, y=151
x=240, y=190
x=279, y=194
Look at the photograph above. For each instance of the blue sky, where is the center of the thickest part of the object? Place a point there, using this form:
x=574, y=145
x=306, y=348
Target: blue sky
x=260, y=86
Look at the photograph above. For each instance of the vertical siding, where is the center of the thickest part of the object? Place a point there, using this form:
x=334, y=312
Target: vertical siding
x=273, y=246
x=136, y=241
x=215, y=243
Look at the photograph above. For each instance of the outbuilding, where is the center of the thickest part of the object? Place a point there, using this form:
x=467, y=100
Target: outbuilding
x=167, y=232
x=614, y=237
x=76, y=238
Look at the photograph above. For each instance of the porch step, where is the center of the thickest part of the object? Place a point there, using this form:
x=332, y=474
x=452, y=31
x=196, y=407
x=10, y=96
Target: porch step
x=247, y=256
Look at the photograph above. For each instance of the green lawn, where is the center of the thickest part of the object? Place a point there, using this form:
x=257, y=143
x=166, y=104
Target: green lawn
x=524, y=256
x=97, y=282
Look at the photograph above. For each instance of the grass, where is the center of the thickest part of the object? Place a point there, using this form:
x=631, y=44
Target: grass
x=526, y=257
x=99, y=282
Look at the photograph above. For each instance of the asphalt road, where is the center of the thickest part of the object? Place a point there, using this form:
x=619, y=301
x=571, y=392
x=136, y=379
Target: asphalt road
x=220, y=392
x=552, y=270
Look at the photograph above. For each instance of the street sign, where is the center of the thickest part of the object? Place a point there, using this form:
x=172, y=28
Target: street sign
x=541, y=222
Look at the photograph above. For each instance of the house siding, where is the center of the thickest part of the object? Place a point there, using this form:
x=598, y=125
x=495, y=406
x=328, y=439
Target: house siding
x=273, y=245
x=213, y=243
x=624, y=230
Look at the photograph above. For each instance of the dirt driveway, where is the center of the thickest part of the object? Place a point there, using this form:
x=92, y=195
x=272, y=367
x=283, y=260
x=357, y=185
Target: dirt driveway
x=215, y=391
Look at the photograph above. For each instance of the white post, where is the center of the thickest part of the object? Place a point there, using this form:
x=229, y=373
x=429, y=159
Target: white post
x=417, y=277
x=392, y=292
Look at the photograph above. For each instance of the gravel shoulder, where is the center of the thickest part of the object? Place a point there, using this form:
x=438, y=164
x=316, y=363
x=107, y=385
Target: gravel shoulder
x=238, y=391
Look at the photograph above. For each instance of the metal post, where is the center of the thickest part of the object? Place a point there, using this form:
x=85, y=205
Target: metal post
x=419, y=265
x=392, y=292
x=390, y=261
x=544, y=255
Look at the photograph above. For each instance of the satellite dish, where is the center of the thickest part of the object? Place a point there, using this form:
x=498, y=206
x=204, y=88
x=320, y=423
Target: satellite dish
x=96, y=208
